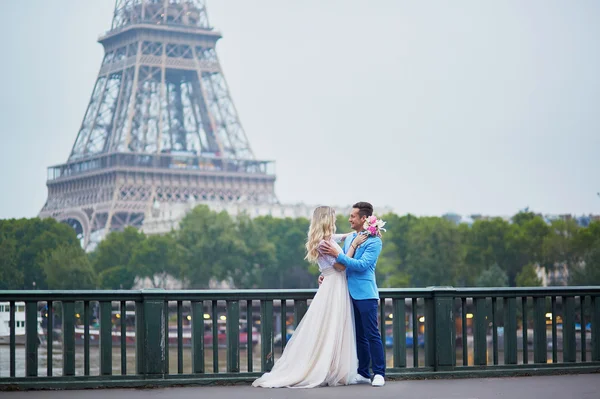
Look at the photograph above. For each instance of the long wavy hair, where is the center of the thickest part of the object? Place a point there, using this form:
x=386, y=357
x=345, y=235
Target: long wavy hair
x=322, y=226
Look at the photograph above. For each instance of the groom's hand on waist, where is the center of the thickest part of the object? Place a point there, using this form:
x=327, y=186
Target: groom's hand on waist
x=328, y=249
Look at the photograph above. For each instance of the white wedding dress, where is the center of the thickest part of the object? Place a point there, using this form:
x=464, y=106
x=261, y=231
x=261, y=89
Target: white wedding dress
x=322, y=350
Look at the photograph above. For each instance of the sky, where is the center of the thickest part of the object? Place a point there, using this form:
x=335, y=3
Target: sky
x=426, y=107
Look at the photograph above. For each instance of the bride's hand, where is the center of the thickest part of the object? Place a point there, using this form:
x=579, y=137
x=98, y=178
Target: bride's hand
x=339, y=267
x=359, y=240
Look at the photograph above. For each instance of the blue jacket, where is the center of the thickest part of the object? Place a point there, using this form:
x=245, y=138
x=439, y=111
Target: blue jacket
x=360, y=269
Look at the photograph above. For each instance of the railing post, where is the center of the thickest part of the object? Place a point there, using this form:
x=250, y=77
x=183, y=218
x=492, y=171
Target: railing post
x=197, y=337
x=68, y=316
x=105, y=338
x=440, y=342
x=266, y=325
x=31, y=339
x=233, y=336
x=154, y=341
x=510, y=330
x=595, y=328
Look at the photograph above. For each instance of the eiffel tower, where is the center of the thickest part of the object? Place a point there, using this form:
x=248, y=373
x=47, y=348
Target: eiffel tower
x=160, y=127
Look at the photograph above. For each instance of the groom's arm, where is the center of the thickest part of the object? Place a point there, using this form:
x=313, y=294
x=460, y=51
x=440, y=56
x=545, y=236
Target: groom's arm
x=367, y=259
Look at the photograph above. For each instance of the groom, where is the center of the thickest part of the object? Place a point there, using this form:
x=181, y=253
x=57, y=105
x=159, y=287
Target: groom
x=360, y=271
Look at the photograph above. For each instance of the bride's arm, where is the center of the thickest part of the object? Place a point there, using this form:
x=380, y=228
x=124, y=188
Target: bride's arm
x=355, y=244
x=338, y=266
x=340, y=237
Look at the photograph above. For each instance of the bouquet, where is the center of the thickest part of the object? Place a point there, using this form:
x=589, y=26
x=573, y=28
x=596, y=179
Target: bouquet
x=373, y=226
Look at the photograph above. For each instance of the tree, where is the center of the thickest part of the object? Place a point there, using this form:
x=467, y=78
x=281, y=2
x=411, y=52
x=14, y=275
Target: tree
x=494, y=276
x=68, y=268
x=528, y=277
x=588, y=272
x=210, y=246
x=391, y=267
x=157, y=257
x=289, y=236
x=559, y=248
x=10, y=276
x=112, y=259
x=28, y=241
x=487, y=243
x=434, y=252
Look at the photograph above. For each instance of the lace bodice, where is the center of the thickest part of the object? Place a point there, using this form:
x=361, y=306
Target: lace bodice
x=327, y=261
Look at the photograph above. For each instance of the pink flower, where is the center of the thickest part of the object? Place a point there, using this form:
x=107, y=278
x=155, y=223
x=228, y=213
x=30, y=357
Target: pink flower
x=372, y=220
x=372, y=230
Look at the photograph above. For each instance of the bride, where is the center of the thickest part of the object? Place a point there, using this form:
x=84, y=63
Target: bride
x=322, y=350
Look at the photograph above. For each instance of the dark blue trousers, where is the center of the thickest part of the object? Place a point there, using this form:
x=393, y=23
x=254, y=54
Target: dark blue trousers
x=368, y=339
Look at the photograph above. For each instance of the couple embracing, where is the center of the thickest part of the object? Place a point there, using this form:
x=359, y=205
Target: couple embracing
x=338, y=339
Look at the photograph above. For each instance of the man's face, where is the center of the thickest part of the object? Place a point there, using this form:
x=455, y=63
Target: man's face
x=356, y=222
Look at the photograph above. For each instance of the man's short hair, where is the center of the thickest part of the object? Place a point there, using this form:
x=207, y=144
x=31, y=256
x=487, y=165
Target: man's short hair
x=364, y=209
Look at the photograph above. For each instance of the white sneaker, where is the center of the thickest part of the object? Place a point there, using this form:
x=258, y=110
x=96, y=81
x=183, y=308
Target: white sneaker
x=359, y=379
x=378, y=381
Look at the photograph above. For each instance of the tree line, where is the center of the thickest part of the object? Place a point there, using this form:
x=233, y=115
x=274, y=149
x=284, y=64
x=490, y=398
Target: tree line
x=267, y=252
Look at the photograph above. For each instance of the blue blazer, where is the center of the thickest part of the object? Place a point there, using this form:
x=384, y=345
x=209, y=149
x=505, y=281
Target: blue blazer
x=360, y=269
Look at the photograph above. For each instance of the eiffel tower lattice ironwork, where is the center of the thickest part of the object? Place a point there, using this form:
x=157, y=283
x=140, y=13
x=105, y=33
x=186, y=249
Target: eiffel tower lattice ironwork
x=160, y=126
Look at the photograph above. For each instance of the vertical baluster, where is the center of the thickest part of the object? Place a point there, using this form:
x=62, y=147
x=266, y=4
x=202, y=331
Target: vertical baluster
x=510, y=330
x=382, y=324
x=300, y=307
x=49, y=338
x=167, y=339
x=399, y=334
x=68, y=331
x=525, y=338
x=141, y=365
x=582, y=300
x=415, y=332
x=249, y=325
x=480, y=333
x=86, y=337
x=31, y=339
x=105, y=338
x=215, y=337
x=431, y=340
x=233, y=336
x=463, y=312
x=494, y=331
x=13, y=343
x=540, y=343
x=179, y=338
x=554, y=337
x=123, y=338
x=569, y=348
x=283, y=324
x=197, y=337
x=595, y=329
x=266, y=320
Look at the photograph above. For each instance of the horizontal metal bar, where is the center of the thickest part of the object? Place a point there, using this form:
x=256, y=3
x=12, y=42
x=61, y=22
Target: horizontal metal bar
x=273, y=294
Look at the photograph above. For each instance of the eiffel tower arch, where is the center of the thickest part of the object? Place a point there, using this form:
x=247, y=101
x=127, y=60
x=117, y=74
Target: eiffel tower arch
x=160, y=128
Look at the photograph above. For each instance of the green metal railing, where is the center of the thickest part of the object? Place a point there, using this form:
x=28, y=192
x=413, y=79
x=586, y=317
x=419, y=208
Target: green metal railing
x=158, y=337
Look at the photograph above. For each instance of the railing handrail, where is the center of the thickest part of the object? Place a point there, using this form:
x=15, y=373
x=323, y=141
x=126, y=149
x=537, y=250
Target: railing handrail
x=276, y=294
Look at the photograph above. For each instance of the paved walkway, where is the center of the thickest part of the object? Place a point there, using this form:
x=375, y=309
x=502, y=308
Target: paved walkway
x=586, y=386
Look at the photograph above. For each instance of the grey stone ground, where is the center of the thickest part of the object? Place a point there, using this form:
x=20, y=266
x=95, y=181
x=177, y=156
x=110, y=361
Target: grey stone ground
x=585, y=386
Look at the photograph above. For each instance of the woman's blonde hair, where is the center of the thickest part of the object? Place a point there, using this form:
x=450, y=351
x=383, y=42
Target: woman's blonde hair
x=322, y=226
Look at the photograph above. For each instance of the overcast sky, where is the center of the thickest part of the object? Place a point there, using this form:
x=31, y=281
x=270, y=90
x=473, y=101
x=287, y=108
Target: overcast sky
x=424, y=106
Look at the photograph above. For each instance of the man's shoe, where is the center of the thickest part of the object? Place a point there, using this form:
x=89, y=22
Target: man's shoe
x=378, y=381
x=359, y=379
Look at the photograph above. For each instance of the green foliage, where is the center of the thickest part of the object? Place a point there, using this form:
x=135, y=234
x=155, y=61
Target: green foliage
x=527, y=277
x=68, y=268
x=268, y=252
x=493, y=276
x=24, y=244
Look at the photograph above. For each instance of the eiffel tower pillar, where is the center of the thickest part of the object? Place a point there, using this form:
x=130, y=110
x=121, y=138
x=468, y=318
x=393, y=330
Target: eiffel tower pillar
x=160, y=128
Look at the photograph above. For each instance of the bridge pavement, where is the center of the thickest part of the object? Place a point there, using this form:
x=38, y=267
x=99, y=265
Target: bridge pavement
x=585, y=386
